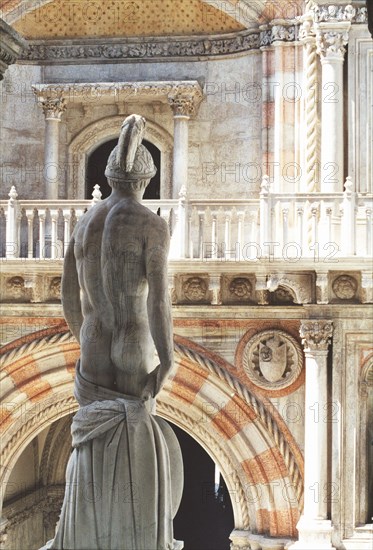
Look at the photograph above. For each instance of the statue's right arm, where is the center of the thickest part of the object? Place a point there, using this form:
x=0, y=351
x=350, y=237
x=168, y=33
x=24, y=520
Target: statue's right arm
x=159, y=304
x=70, y=292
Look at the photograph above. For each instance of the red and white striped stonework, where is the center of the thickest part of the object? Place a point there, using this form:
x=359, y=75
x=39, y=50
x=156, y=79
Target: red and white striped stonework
x=258, y=457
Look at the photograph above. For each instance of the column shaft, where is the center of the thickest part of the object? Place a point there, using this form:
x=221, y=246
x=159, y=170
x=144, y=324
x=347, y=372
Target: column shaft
x=180, y=158
x=331, y=37
x=332, y=125
x=52, y=127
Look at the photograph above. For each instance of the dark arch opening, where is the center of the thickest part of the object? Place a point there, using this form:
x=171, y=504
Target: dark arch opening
x=204, y=520
x=95, y=173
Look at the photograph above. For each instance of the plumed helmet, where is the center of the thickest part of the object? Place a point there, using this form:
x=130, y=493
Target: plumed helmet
x=130, y=160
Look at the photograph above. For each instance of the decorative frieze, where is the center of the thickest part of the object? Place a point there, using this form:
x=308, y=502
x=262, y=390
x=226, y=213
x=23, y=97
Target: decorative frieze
x=332, y=12
x=278, y=33
x=132, y=49
x=316, y=335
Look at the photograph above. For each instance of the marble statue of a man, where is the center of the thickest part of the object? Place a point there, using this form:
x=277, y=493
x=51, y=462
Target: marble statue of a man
x=124, y=477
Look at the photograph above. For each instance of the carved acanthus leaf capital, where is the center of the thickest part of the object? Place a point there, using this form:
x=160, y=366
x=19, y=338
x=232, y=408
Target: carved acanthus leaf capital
x=331, y=40
x=182, y=105
x=316, y=335
x=53, y=108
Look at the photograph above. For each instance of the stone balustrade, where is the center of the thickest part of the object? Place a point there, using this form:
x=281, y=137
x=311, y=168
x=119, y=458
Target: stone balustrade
x=289, y=226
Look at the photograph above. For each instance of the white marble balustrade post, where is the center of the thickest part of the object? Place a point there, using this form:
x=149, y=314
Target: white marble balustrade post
x=53, y=109
x=332, y=37
x=314, y=527
x=12, y=240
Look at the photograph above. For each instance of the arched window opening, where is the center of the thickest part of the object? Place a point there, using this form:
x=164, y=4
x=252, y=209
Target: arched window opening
x=205, y=517
x=95, y=173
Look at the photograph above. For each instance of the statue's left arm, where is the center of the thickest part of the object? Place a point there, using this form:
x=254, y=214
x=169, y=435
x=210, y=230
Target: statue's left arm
x=70, y=292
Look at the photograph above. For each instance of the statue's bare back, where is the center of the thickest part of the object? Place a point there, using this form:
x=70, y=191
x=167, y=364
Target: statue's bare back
x=115, y=294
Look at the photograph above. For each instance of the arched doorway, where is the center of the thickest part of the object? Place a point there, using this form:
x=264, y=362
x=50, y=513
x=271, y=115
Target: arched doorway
x=96, y=164
x=205, y=517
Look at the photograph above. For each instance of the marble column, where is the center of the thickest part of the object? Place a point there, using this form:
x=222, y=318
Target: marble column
x=183, y=108
x=314, y=527
x=53, y=110
x=332, y=37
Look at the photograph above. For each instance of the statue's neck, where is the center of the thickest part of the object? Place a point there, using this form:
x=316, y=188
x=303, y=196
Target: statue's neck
x=119, y=194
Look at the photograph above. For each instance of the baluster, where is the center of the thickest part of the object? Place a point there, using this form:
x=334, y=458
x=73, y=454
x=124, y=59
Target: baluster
x=227, y=234
x=12, y=242
x=214, y=250
x=265, y=212
x=54, y=254
x=201, y=231
x=368, y=213
x=240, y=223
x=30, y=228
x=41, y=236
x=66, y=230
x=349, y=218
x=299, y=237
x=285, y=227
x=96, y=195
x=314, y=212
x=328, y=213
x=190, y=240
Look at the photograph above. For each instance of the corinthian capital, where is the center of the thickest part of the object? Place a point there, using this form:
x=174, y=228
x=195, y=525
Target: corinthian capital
x=182, y=105
x=316, y=335
x=53, y=108
x=331, y=39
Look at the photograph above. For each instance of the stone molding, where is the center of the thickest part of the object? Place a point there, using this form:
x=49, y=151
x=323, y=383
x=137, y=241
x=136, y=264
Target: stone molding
x=12, y=45
x=316, y=335
x=176, y=91
x=86, y=51
x=170, y=48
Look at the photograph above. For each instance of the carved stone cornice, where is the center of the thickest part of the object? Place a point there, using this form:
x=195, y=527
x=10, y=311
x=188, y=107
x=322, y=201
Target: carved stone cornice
x=278, y=31
x=316, y=334
x=128, y=49
x=11, y=46
x=184, y=96
x=53, y=108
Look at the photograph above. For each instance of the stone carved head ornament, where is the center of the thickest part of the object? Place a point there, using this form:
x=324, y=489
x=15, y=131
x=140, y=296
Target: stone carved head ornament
x=130, y=161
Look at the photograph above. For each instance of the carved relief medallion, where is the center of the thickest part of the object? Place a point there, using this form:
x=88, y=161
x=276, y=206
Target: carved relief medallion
x=272, y=359
x=345, y=287
x=195, y=289
x=55, y=288
x=241, y=287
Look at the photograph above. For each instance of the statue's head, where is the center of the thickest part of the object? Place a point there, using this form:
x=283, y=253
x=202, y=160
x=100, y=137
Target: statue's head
x=130, y=165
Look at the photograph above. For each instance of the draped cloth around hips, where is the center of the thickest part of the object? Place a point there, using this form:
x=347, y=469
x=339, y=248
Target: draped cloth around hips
x=118, y=480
